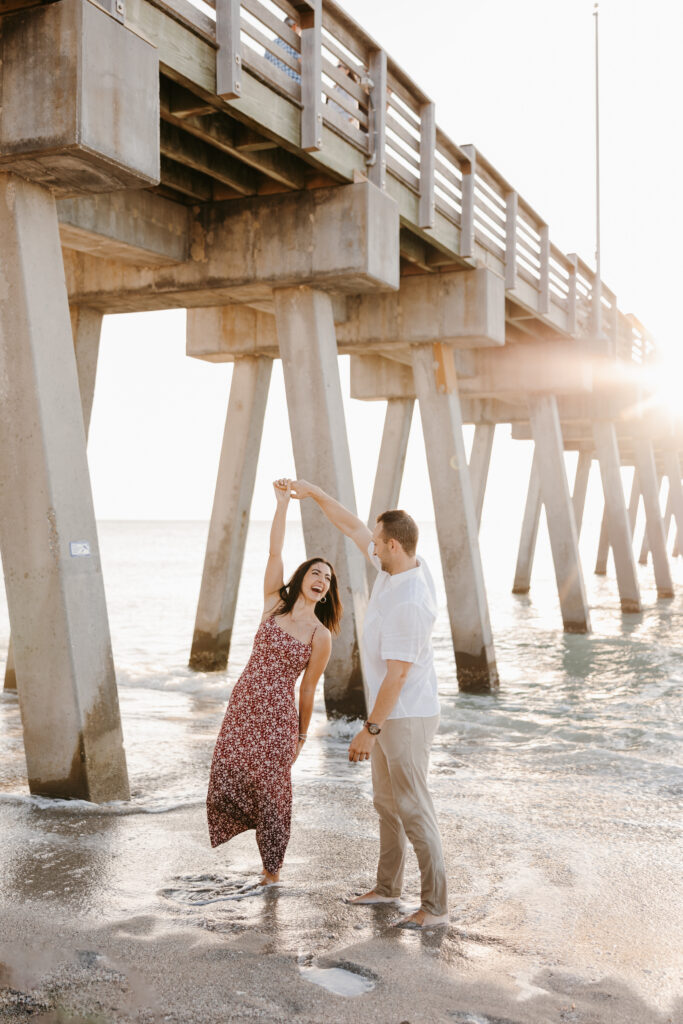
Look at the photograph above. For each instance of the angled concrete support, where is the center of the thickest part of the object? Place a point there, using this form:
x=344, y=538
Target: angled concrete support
x=456, y=520
x=532, y=514
x=527, y=540
x=230, y=516
x=583, y=470
x=545, y=426
x=645, y=545
x=603, y=548
x=647, y=478
x=604, y=543
x=392, y=457
x=65, y=670
x=308, y=347
x=672, y=468
x=480, y=459
x=86, y=325
x=618, y=529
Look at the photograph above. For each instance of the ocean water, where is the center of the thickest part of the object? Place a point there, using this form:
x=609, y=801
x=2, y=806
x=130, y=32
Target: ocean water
x=601, y=713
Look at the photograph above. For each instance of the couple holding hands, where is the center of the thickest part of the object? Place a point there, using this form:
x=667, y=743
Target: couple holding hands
x=262, y=734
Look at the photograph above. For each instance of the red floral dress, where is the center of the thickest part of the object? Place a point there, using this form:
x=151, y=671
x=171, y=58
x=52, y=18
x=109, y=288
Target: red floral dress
x=251, y=784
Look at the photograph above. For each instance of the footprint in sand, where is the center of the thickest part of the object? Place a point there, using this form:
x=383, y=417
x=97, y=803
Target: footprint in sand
x=202, y=890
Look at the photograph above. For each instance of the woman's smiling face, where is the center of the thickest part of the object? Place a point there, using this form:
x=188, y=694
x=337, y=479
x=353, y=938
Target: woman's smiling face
x=316, y=582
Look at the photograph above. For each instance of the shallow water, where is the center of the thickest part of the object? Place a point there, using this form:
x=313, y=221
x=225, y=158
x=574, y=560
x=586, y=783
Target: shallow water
x=601, y=711
x=558, y=797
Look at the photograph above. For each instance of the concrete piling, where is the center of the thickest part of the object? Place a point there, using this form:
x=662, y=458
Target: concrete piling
x=649, y=486
x=308, y=348
x=456, y=519
x=547, y=434
x=86, y=326
x=230, y=515
x=618, y=528
x=62, y=648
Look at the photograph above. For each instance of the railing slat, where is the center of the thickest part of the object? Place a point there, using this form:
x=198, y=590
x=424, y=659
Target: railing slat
x=571, y=293
x=511, y=207
x=228, y=57
x=544, y=281
x=426, y=213
x=467, y=217
x=310, y=13
x=377, y=163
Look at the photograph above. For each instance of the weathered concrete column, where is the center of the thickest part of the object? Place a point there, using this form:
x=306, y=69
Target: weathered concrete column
x=618, y=529
x=604, y=543
x=603, y=548
x=58, y=616
x=672, y=468
x=390, y=463
x=86, y=327
x=456, y=520
x=645, y=546
x=647, y=478
x=668, y=515
x=308, y=348
x=527, y=540
x=547, y=434
x=230, y=515
x=583, y=470
x=480, y=460
x=532, y=515
x=392, y=456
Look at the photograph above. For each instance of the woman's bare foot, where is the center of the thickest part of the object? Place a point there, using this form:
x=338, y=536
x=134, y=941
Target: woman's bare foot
x=268, y=879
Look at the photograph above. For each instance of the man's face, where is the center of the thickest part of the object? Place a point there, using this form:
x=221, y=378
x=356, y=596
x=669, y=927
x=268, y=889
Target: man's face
x=382, y=548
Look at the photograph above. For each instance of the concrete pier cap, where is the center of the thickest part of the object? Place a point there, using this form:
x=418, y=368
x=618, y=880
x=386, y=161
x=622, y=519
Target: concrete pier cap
x=80, y=100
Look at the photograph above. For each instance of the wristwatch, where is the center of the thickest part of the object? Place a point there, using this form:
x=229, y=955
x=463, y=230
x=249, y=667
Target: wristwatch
x=373, y=728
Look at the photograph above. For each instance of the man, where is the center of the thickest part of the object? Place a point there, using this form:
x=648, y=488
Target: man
x=401, y=690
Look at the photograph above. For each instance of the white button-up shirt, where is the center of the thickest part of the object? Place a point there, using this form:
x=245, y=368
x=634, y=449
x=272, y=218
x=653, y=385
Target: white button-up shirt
x=398, y=627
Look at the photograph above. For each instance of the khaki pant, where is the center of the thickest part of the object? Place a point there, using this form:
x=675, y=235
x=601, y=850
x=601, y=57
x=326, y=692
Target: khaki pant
x=400, y=763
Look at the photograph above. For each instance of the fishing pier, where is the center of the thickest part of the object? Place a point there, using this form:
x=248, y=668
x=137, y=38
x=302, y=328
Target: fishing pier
x=268, y=167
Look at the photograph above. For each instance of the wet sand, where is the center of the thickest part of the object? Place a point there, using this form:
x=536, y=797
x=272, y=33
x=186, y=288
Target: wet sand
x=132, y=918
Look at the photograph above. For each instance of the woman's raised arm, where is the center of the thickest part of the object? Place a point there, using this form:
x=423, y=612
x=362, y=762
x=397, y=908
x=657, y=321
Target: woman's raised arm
x=274, y=575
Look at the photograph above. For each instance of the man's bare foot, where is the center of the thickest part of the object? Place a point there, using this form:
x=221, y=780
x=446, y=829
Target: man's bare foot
x=268, y=879
x=370, y=898
x=421, y=919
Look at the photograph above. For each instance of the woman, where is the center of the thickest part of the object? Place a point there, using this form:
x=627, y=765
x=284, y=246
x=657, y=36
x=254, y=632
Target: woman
x=261, y=735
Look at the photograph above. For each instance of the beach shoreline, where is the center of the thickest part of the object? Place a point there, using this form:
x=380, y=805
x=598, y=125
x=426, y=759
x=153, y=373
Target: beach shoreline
x=132, y=918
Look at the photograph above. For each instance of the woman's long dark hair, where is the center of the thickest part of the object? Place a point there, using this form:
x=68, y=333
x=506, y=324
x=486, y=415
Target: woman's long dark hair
x=328, y=611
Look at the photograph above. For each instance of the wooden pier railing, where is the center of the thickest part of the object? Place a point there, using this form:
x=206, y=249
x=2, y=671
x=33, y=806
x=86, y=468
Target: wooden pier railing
x=311, y=53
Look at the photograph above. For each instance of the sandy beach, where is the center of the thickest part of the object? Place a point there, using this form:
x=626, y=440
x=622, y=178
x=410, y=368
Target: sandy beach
x=132, y=918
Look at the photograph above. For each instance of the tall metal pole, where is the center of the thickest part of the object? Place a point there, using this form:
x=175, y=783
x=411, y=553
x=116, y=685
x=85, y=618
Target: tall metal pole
x=597, y=292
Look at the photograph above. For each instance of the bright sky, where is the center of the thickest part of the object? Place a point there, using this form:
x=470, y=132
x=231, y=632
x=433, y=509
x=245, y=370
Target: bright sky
x=516, y=80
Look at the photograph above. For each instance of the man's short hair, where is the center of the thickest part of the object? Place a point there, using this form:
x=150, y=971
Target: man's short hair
x=401, y=527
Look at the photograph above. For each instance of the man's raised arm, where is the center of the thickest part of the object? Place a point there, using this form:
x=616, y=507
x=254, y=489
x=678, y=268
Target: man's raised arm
x=349, y=524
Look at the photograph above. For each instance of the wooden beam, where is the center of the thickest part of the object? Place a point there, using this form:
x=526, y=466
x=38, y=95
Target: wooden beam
x=192, y=152
x=184, y=103
x=221, y=131
x=188, y=183
x=249, y=141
